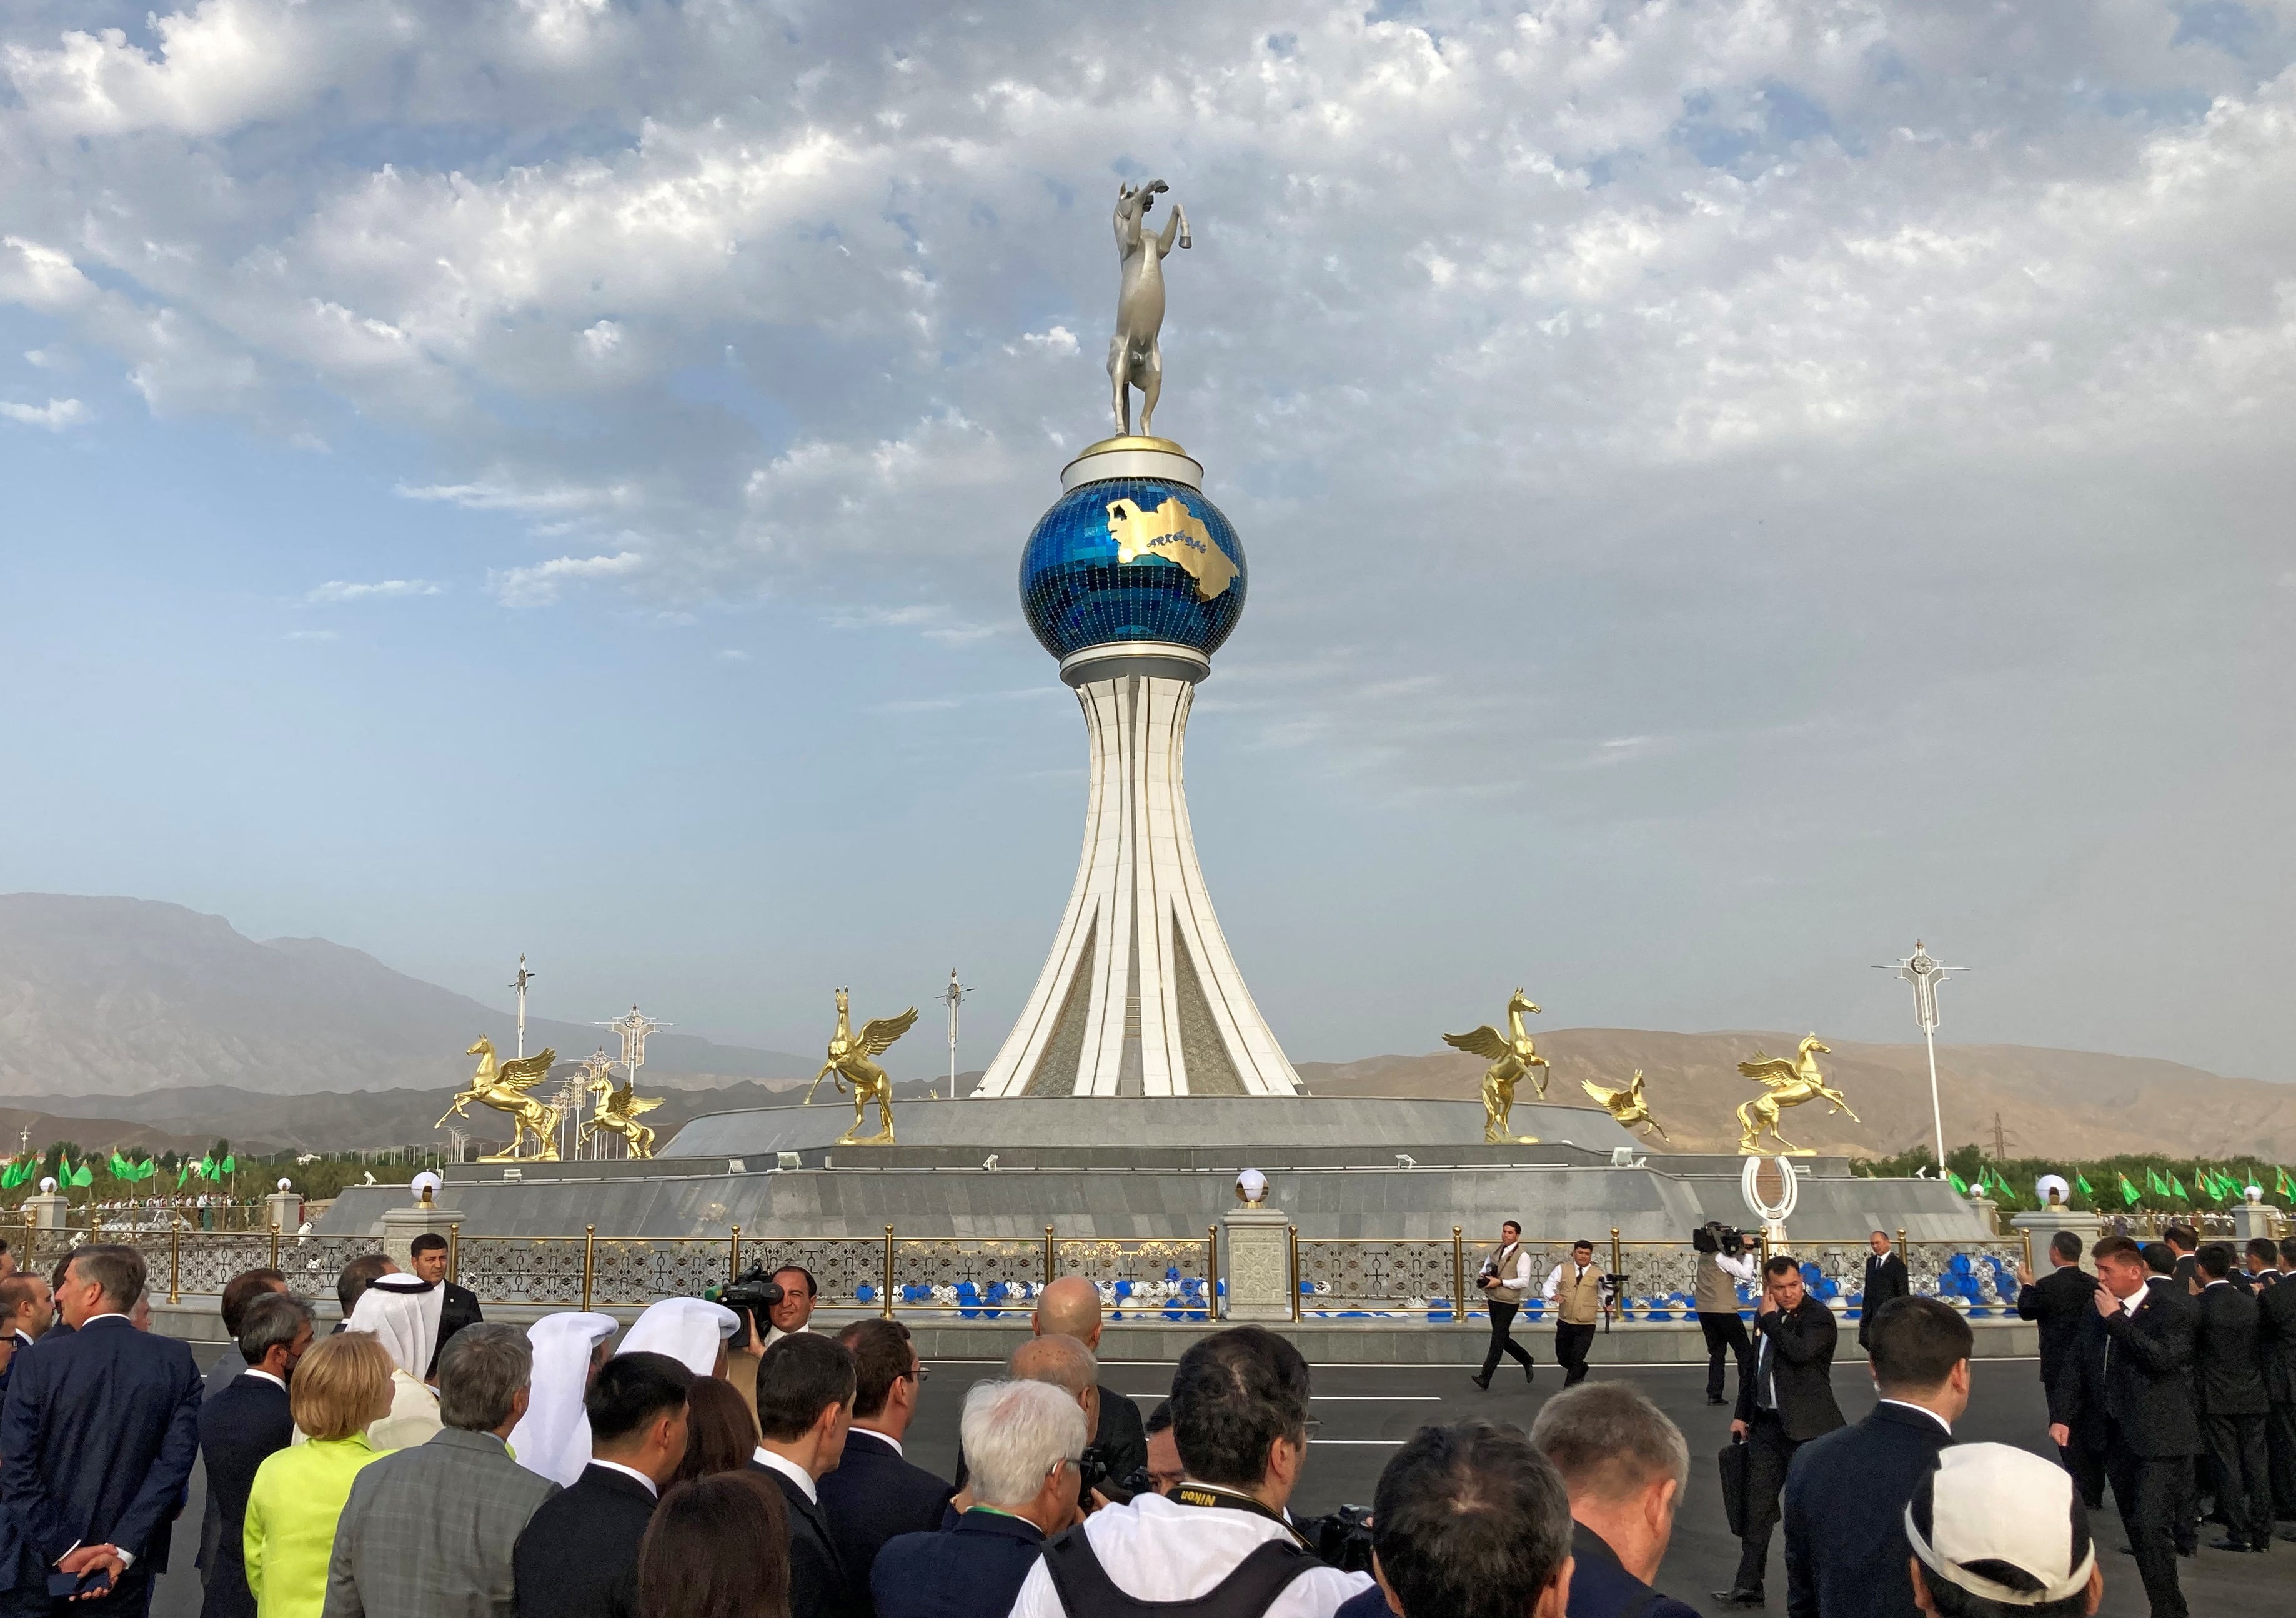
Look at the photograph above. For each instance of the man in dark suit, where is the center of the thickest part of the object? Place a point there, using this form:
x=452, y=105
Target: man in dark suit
x=1885, y=1279
x=1783, y=1401
x=459, y=1307
x=2227, y=1371
x=804, y=1408
x=1027, y=1437
x=2263, y=1266
x=2185, y=1243
x=2275, y=1330
x=876, y=1491
x=2058, y=1303
x=1845, y=1493
x=1071, y=1308
x=28, y=1309
x=239, y=1427
x=1624, y=1465
x=98, y=1436
x=2128, y=1386
x=578, y=1556
x=241, y=1290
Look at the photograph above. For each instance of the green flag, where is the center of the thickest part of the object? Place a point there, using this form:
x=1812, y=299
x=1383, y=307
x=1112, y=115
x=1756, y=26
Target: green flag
x=2128, y=1192
x=2283, y=1184
x=2080, y=1184
x=1957, y=1182
x=2177, y=1188
x=121, y=1169
x=205, y=1168
x=2153, y=1183
x=12, y=1176
x=229, y=1165
x=81, y=1176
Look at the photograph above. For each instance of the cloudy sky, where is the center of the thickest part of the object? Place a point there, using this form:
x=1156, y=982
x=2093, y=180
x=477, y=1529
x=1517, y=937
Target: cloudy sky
x=1728, y=488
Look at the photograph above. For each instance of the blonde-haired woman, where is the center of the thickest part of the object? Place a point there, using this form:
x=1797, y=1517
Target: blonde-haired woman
x=341, y=1386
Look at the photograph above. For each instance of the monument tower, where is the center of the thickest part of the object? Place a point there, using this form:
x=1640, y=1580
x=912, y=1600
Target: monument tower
x=1133, y=580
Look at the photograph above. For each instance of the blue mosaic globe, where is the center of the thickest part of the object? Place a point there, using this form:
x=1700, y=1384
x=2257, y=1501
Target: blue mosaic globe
x=1132, y=559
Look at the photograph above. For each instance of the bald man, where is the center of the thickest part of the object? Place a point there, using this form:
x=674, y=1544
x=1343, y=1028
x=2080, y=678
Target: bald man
x=1070, y=1308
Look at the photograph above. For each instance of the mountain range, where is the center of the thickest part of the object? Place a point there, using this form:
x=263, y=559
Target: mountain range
x=136, y=1023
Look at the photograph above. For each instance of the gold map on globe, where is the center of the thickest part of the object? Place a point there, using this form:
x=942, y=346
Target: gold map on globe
x=1175, y=533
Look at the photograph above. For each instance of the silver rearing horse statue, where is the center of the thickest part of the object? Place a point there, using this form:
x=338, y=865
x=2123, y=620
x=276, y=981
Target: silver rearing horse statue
x=1134, y=359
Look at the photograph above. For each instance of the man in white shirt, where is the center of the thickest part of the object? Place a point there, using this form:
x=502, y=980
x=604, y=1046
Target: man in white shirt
x=1504, y=1279
x=1240, y=1413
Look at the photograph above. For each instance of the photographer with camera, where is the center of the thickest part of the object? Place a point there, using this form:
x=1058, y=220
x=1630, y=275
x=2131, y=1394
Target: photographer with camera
x=1505, y=1278
x=1221, y=1545
x=1582, y=1295
x=1722, y=1262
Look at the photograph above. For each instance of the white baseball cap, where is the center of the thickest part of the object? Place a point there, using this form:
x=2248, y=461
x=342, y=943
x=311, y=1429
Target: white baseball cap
x=2003, y=1523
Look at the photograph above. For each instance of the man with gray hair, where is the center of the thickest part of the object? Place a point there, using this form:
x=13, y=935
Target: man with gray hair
x=1023, y=1440
x=1625, y=1464
x=428, y=1533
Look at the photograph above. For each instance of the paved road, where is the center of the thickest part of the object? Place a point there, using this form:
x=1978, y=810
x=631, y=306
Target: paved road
x=1369, y=1410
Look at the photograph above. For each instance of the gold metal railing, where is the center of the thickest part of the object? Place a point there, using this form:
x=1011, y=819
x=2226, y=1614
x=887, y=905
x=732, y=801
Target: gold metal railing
x=977, y=1277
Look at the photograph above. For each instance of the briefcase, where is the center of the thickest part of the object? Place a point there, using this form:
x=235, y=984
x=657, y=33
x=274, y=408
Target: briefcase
x=1734, y=1485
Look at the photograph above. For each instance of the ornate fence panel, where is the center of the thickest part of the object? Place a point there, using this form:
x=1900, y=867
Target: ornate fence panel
x=1403, y=1275
x=312, y=1262
x=1982, y=1274
x=848, y=1272
x=1135, y=1278
x=1661, y=1280
x=639, y=1270
x=977, y=1277
x=523, y=1269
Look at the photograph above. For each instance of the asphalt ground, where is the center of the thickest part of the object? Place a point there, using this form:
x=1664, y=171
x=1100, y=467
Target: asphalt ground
x=1369, y=1411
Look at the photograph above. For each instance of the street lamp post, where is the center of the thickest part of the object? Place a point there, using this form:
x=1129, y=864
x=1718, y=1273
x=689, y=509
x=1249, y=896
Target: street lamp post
x=520, y=983
x=1925, y=972
x=953, y=995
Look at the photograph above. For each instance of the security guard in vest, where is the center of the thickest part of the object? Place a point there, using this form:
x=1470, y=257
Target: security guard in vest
x=1582, y=1295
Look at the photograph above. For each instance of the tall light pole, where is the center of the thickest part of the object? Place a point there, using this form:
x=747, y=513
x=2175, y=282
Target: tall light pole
x=520, y=983
x=1925, y=972
x=954, y=997
x=633, y=1029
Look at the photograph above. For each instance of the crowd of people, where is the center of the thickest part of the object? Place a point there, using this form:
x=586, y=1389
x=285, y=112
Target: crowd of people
x=708, y=1462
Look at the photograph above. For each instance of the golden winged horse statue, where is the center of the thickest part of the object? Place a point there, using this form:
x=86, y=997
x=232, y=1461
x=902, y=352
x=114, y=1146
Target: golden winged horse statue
x=619, y=1108
x=1787, y=1083
x=1512, y=1054
x=1627, y=1105
x=848, y=1058
x=503, y=1085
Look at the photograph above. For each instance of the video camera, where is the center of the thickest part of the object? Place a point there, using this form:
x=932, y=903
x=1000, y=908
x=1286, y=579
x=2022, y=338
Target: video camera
x=1092, y=1471
x=750, y=1296
x=1341, y=1540
x=1715, y=1236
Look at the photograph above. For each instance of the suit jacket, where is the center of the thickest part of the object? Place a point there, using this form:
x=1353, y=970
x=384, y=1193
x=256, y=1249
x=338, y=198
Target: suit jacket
x=2130, y=1374
x=874, y=1495
x=1795, y=1349
x=1122, y=1437
x=974, y=1570
x=2276, y=1331
x=819, y=1585
x=239, y=1427
x=2057, y=1303
x=1845, y=1503
x=2227, y=1372
x=1600, y=1585
x=223, y=1370
x=579, y=1557
x=457, y=1308
x=429, y=1532
x=1885, y=1279
x=2187, y=1270
x=99, y=1432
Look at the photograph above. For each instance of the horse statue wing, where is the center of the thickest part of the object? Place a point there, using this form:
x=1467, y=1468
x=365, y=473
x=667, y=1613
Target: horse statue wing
x=878, y=1033
x=631, y=1107
x=1772, y=1072
x=523, y=1074
x=1486, y=1042
x=1605, y=1097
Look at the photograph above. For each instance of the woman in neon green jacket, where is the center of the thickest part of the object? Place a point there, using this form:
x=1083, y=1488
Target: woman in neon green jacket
x=339, y=1387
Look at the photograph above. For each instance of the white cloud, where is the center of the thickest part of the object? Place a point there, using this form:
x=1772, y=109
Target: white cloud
x=1057, y=343
x=55, y=415
x=535, y=586
x=313, y=634
x=341, y=590
x=732, y=654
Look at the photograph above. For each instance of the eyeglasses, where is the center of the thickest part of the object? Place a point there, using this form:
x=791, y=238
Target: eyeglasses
x=1310, y=1428
x=918, y=1373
